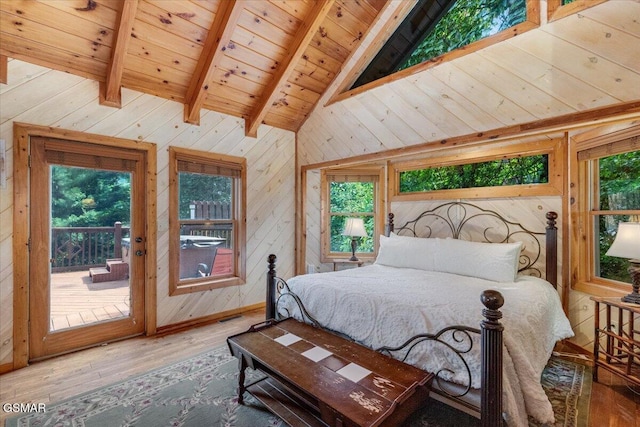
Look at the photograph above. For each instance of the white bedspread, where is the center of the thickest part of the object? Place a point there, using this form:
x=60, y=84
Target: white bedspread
x=384, y=306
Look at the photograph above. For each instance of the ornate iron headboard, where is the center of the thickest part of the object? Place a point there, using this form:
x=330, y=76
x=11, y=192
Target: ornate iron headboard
x=463, y=220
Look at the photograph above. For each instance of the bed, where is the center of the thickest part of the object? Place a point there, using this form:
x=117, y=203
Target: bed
x=436, y=302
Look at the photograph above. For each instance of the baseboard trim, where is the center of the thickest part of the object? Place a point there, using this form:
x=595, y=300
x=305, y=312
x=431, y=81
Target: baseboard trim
x=6, y=367
x=207, y=320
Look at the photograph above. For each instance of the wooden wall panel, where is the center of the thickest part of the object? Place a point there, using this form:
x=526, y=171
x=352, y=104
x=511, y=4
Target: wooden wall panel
x=314, y=242
x=44, y=97
x=569, y=66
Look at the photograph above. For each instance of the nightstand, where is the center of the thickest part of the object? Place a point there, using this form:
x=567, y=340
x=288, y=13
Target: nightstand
x=346, y=262
x=616, y=345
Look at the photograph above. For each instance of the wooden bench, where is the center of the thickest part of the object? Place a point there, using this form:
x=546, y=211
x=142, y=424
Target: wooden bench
x=316, y=378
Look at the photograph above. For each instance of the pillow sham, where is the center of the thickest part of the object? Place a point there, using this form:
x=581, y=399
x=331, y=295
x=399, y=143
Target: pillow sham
x=407, y=252
x=497, y=262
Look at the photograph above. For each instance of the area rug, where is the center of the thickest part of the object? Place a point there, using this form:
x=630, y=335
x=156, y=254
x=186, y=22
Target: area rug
x=201, y=391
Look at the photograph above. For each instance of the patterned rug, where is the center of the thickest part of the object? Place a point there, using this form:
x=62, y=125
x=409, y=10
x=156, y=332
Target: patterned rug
x=201, y=391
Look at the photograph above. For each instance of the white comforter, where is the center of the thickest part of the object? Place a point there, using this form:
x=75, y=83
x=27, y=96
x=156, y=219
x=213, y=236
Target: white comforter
x=383, y=306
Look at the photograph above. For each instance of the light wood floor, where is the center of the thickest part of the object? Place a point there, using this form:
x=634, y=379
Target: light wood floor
x=612, y=403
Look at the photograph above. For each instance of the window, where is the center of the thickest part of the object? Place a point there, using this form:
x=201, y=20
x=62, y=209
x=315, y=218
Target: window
x=608, y=193
x=433, y=28
x=494, y=173
x=350, y=194
x=557, y=9
x=206, y=220
x=517, y=170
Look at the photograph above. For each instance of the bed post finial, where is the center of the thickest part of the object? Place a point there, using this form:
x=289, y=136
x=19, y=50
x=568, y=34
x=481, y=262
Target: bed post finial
x=389, y=229
x=551, y=273
x=491, y=359
x=271, y=287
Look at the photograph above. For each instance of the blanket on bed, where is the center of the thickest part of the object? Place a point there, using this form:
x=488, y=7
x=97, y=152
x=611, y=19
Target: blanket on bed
x=384, y=306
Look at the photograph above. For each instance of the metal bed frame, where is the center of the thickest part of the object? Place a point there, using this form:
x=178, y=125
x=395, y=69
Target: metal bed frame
x=457, y=218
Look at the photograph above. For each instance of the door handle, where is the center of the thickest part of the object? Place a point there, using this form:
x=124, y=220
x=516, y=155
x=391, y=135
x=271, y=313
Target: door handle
x=138, y=239
x=139, y=252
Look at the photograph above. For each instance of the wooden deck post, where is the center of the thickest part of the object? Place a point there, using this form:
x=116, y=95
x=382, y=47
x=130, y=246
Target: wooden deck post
x=271, y=288
x=117, y=239
x=491, y=360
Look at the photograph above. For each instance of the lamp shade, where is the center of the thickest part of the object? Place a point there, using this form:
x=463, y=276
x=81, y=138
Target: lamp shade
x=354, y=227
x=627, y=241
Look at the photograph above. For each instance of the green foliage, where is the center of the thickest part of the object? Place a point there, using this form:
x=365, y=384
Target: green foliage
x=515, y=171
x=620, y=181
x=619, y=186
x=83, y=197
x=466, y=22
x=203, y=187
x=351, y=199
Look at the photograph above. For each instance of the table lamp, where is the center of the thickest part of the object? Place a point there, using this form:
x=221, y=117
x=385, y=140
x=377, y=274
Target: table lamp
x=354, y=227
x=627, y=245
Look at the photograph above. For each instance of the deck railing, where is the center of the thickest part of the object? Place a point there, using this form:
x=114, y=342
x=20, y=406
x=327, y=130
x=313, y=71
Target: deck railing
x=78, y=248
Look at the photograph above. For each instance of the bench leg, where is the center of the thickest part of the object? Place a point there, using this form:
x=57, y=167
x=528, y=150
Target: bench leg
x=241, y=387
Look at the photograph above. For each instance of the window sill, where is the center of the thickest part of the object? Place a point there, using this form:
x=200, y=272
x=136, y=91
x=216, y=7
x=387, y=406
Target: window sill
x=602, y=288
x=345, y=257
x=197, y=285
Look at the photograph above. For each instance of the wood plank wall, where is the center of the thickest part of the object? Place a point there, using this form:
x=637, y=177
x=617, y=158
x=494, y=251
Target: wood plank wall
x=41, y=96
x=567, y=69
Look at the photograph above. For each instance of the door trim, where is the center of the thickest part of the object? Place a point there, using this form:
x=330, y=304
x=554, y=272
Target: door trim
x=21, y=213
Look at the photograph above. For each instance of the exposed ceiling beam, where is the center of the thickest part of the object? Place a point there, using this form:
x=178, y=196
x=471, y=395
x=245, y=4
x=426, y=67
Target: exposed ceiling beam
x=4, y=73
x=110, y=93
x=218, y=38
x=305, y=33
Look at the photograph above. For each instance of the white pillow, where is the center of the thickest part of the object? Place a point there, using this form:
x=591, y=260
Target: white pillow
x=407, y=252
x=491, y=261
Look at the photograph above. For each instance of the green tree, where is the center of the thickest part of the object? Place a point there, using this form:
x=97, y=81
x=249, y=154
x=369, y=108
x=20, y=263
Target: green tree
x=82, y=197
x=466, y=22
x=619, y=186
x=351, y=199
x=203, y=187
x=494, y=173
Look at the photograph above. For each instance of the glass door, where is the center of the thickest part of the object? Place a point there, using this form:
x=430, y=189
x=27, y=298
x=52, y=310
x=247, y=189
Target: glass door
x=87, y=245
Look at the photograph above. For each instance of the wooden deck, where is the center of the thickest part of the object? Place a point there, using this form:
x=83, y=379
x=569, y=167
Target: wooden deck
x=76, y=301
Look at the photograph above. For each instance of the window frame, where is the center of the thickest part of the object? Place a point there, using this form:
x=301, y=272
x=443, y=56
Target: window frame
x=179, y=286
x=373, y=175
x=404, y=8
x=585, y=209
x=552, y=148
x=556, y=10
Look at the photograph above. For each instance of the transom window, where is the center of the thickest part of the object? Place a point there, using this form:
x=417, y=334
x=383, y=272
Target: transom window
x=207, y=195
x=522, y=169
x=436, y=27
x=513, y=171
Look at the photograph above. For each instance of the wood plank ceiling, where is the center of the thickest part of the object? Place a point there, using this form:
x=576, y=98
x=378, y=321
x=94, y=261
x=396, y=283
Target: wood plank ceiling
x=265, y=61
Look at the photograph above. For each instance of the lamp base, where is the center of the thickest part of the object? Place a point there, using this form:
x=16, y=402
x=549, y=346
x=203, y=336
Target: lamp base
x=354, y=245
x=633, y=298
x=634, y=271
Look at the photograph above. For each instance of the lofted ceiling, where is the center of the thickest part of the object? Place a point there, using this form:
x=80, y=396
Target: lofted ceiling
x=271, y=61
x=265, y=61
